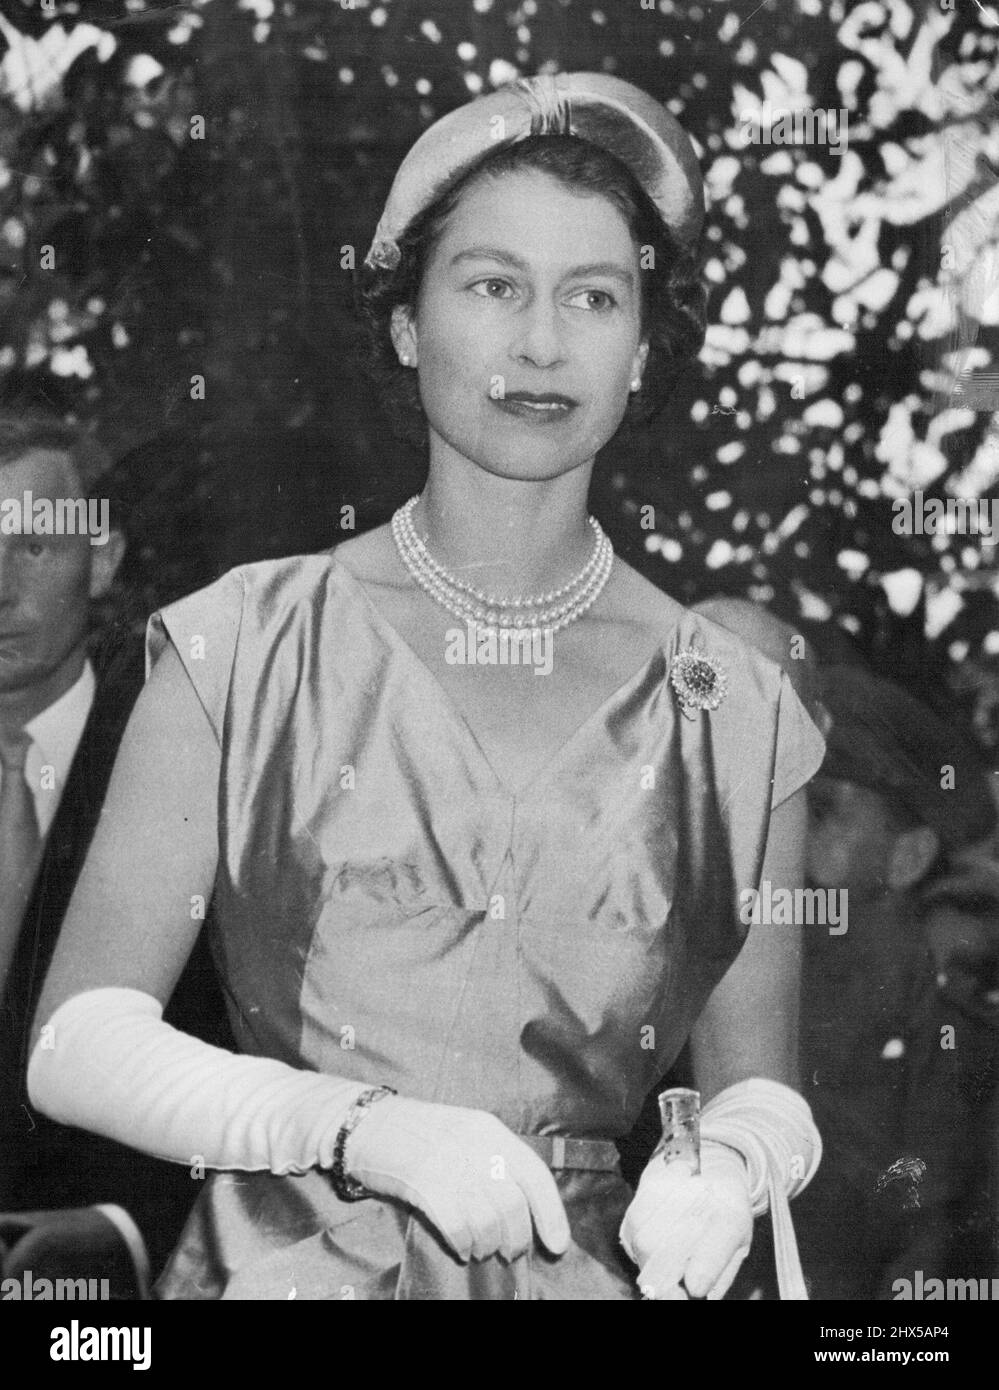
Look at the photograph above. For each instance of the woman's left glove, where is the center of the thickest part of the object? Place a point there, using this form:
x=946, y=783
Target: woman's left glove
x=688, y=1234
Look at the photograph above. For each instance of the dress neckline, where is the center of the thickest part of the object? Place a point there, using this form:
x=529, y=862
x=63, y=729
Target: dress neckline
x=456, y=718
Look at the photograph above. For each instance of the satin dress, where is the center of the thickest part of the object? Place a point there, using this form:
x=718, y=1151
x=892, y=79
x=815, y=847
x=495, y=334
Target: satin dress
x=388, y=911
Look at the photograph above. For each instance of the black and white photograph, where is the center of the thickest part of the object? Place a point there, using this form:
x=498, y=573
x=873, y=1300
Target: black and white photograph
x=499, y=660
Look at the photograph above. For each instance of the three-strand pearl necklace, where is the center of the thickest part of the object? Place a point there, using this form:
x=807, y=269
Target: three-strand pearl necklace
x=503, y=616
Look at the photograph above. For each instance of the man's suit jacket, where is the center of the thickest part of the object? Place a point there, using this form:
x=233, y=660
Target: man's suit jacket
x=42, y=1164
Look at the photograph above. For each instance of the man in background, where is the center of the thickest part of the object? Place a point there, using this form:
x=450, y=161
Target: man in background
x=898, y=1048
x=900, y=1013
x=73, y=1205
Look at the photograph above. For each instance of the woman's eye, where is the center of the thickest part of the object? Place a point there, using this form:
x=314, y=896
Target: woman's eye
x=486, y=287
x=606, y=300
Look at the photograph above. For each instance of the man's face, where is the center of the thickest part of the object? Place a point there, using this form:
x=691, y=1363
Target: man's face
x=850, y=837
x=45, y=581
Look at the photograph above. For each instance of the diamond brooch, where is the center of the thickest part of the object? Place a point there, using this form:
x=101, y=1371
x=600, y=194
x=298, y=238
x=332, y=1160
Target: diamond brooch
x=699, y=682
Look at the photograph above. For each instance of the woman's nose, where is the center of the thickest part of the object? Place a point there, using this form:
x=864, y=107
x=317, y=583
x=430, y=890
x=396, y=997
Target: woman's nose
x=539, y=336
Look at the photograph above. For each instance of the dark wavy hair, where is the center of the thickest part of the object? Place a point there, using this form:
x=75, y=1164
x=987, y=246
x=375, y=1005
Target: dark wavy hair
x=673, y=298
x=22, y=430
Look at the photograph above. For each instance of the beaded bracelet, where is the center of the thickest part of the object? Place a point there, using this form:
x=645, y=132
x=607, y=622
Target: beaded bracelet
x=348, y=1189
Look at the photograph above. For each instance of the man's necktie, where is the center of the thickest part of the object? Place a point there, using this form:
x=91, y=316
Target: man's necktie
x=20, y=840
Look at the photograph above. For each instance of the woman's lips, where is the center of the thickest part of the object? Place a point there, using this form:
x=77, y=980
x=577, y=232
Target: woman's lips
x=535, y=412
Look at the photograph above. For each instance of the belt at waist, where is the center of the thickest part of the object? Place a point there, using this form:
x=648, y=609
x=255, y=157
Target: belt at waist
x=561, y=1151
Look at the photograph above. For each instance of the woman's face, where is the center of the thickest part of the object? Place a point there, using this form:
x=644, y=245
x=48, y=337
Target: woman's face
x=531, y=291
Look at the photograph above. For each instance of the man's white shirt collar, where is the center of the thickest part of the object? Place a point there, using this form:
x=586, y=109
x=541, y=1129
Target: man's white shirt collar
x=55, y=736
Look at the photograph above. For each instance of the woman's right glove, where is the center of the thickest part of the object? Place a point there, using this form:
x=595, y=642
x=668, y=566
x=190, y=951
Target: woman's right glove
x=480, y=1186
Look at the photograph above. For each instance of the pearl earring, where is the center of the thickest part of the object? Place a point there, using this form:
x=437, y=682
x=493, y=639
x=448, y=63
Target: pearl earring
x=636, y=383
x=404, y=358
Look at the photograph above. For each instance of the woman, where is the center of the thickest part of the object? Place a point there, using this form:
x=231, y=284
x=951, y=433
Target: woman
x=468, y=913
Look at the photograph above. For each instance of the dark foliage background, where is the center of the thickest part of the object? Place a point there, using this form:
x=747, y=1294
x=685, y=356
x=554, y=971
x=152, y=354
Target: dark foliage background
x=197, y=171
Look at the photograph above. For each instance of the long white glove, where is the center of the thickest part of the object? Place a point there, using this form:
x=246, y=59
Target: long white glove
x=689, y=1234
x=107, y=1062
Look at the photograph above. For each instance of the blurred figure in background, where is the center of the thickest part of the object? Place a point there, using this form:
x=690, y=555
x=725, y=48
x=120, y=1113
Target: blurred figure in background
x=960, y=916
x=899, y=1026
x=73, y=1205
x=908, y=1177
